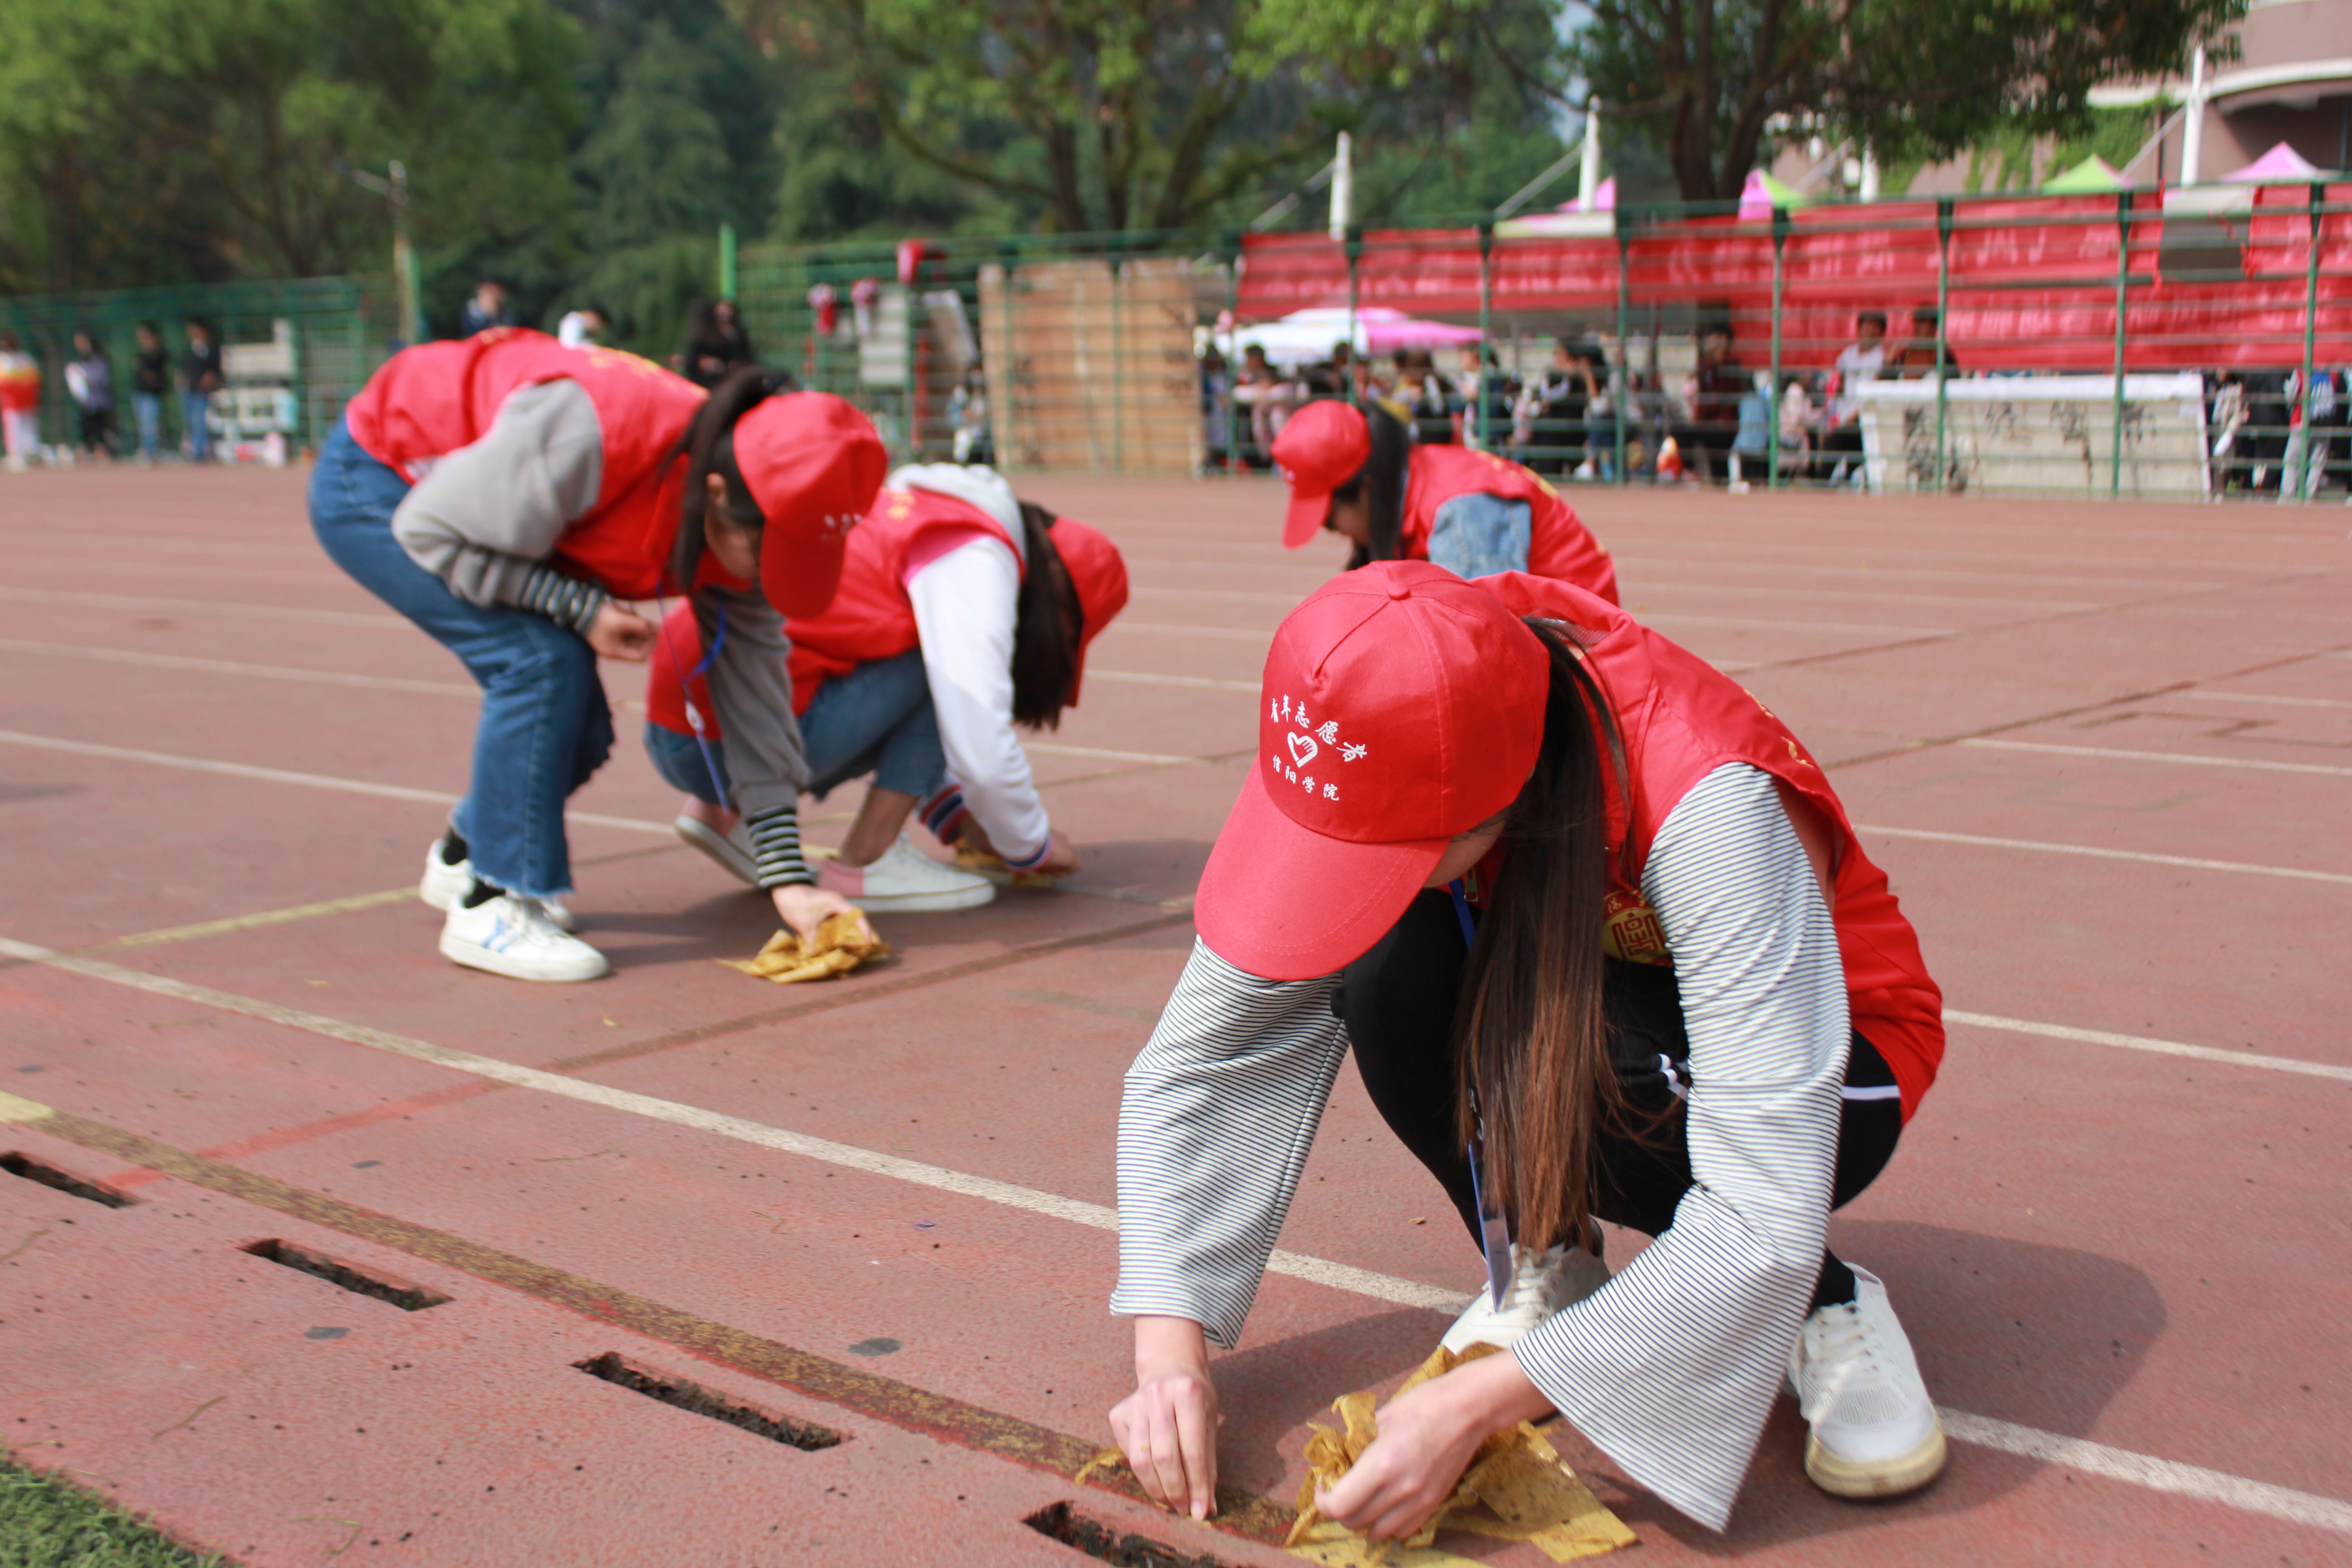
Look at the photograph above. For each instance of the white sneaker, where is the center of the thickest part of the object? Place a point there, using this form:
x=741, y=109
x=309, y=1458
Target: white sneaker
x=1541, y=1284
x=445, y=886
x=1874, y=1429
x=731, y=850
x=512, y=935
x=904, y=878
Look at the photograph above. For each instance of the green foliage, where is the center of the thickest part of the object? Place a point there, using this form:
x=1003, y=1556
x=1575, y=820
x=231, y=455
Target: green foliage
x=1141, y=115
x=45, y=1523
x=656, y=159
x=1712, y=76
x=147, y=140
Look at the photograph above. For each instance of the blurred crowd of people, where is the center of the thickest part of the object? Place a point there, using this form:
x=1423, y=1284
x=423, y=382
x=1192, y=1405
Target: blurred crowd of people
x=1578, y=417
x=158, y=391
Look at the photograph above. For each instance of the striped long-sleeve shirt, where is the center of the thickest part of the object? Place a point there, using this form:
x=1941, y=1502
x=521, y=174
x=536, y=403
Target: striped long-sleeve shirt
x=1672, y=1367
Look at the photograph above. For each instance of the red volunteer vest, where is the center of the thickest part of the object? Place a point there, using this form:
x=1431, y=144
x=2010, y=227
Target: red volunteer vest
x=430, y=400
x=1681, y=719
x=871, y=617
x=1559, y=544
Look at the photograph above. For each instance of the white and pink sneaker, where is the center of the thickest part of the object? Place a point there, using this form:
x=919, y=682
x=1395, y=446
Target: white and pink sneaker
x=906, y=880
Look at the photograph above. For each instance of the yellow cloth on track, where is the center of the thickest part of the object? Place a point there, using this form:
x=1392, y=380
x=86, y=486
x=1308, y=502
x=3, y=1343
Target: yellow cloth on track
x=843, y=942
x=1516, y=1489
x=985, y=863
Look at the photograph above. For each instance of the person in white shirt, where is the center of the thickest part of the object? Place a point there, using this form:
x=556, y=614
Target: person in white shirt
x=1865, y=359
x=964, y=612
x=583, y=328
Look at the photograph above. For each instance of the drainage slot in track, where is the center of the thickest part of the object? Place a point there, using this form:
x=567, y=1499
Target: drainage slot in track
x=613, y=1367
x=1060, y=1521
x=48, y=1175
x=405, y=1294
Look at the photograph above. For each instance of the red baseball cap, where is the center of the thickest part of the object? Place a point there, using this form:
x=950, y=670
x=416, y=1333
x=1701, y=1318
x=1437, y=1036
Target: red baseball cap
x=1401, y=706
x=1098, y=572
x=1321, y=448
x=812, y=464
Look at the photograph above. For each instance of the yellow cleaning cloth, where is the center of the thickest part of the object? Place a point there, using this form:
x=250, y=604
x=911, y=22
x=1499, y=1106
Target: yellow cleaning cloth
x=1516, y=1489
x=984, y=863
x=843, y=942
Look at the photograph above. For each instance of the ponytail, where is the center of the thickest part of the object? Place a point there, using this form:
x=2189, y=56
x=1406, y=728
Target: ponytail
x=1383, y=478
x=1044, y=653
x=708, y=447
x=1531, y=1045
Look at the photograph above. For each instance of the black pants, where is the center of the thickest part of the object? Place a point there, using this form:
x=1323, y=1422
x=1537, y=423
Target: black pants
x=1398, y=1003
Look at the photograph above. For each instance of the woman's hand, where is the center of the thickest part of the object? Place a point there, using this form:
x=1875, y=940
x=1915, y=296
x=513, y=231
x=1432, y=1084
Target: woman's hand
x=1427, y=1437
x=1168, y=1427
x=1061, y=857
x=619, y=632
x=805, y=907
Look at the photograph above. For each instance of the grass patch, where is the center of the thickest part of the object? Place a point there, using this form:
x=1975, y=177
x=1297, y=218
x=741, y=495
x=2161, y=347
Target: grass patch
x=45, y=1523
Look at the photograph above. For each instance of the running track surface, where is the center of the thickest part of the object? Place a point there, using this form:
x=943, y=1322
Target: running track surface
x=2105, y=753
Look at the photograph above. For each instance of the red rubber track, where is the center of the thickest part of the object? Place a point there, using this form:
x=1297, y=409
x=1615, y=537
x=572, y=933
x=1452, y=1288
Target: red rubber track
x=2105, y=753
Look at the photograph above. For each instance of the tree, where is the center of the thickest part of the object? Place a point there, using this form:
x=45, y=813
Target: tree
x=1124, y=114
x=1710, y=79
x=177, y=139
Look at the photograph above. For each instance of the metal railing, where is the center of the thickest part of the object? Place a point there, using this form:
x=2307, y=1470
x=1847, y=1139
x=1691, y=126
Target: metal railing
x=296, y=351
x=2185, y=343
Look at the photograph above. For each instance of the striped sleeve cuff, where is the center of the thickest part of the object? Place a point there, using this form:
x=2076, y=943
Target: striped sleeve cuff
x=566, y=601
x=776, y=844
x=1031, y=862
x=945, y=813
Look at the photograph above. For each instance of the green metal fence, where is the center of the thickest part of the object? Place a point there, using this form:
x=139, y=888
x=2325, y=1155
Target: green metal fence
x=302, y=346
x=2182, y=343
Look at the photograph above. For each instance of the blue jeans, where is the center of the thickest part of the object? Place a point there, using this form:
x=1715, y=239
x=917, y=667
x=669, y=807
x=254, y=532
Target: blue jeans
x=544, y=727
x=875, y=720
x=195, y=413
x=150, y=409
x=1476, y=535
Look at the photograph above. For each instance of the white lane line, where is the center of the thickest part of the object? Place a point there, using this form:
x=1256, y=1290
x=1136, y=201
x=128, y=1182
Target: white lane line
x=308, y=780
x=2191, y=759
x=1321, y=1271
x=2146, y=1471
x=444, y=687
x=202, y=606
x=2097, y=853
x=1657, y=585
x=2051, y=1447
x=1245, y=595
x=2258, y=697
x=1670, y=616
x=1241, y=633
x=324, y=572
x=1061, y=751
x=1137, y=677
x=2143, y=1043
x=232, y=667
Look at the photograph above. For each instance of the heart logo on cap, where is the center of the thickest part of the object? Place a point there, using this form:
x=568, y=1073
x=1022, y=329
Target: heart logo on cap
x=1302, y=748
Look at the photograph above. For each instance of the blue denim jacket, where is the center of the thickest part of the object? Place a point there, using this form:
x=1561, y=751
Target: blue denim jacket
x=1476, y=535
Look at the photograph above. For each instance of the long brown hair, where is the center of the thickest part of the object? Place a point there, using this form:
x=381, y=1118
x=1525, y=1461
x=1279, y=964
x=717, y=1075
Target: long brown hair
x=1045, y=654
x=1383, y=479
x=1531, y=1045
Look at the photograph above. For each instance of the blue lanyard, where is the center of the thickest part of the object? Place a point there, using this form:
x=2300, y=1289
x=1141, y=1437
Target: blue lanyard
x=686, y=695
x=1494, y=1229
x=1462, y=913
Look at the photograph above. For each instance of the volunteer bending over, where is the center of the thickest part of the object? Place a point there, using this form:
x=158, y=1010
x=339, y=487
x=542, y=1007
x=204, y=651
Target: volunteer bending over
x=1356, y=471
x=1573, y=896
x=962, y=613
x=509, y=495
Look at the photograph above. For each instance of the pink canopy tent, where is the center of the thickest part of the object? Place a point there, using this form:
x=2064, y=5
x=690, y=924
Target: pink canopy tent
x=2280, y=165
x=1305, y=335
